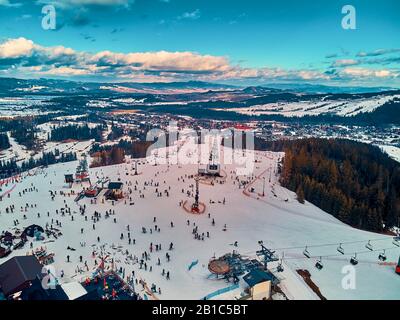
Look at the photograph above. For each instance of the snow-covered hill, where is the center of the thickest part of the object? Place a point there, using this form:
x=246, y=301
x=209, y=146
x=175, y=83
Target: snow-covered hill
x=278, y=219
x=345, y=107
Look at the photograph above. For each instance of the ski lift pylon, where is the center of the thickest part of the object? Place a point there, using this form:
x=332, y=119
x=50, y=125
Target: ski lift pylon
x=280, y=264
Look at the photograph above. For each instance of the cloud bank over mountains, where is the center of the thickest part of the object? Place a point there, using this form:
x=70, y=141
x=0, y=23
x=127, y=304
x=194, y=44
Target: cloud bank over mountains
x=23, y=57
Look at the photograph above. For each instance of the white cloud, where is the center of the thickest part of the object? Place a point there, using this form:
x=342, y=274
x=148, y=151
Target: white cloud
x=7, y=3
x=65, y=71
x=14, y=48
x=73, y=3
x=164, y=61
x=378, y=52
x=345, y=62
x=193, y=15
x=97, y=2
x=363, y=73
x=23, y=56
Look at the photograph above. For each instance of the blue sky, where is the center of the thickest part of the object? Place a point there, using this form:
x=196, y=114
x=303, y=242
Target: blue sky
x=235, y=41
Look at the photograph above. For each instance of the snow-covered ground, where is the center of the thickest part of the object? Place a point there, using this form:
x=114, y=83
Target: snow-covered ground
x=302, y=108
x=20, y=153
x=17, y=106
x=277, y=218
x=16, y=151
x=392, y=151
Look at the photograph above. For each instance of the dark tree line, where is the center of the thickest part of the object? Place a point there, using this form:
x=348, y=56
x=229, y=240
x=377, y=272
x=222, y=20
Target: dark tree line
x=136, y=149
x=116, y=132
x=11, y=168
x=23, y=129
x=355, y=182
x=23, y=121
x=75, y=132
x=108, y=156
x=4, y=142
x=25, y=135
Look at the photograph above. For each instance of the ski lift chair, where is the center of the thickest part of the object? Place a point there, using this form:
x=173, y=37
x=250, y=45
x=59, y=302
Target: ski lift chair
x=306, y=253
x=319, y=264
x=354, y=260
x=369, y=245
x=340, y=249
x=382, y=256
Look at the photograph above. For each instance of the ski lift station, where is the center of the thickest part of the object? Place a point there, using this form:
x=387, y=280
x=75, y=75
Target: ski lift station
x=211, y=170
x=259, y=282
x=250, y=278
x=114, y=191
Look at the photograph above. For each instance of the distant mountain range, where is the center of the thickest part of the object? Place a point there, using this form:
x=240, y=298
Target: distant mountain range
x=281, y=102
x=53, y=86
x=317, y=88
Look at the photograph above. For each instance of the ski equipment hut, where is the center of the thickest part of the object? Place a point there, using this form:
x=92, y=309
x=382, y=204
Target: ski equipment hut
x=259, y=283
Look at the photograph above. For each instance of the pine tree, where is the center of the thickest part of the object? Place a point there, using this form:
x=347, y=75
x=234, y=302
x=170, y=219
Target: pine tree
x=353, y=181
x=300, y=194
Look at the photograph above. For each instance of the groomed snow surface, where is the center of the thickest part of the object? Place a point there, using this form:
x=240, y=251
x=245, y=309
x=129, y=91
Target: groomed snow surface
x=277, y=219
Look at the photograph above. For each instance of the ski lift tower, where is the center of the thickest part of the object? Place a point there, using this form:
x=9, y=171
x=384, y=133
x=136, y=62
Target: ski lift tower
x=214, y=155
x=266, y=254
x=155, y=153
x=211, y=158
x=136, y=172
x=213, y=167
x=195, y=205
x=82, y=171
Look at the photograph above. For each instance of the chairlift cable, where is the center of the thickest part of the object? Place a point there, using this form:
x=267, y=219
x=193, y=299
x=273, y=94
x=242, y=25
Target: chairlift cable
x=340, y=255
x=332, y=244
x=328, y=245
